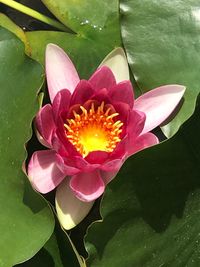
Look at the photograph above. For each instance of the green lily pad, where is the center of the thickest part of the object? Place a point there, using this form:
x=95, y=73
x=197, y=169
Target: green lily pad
x=57, y=252
x=26, y=222
x=162, y=42
x=92, y=40
x=86, y=54
x=84, y=17
x=151, y=210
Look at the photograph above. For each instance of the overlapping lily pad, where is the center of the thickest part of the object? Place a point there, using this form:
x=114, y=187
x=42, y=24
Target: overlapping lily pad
x=94, y=36
x=151, y=210
x=26, y=221
x=162, y=41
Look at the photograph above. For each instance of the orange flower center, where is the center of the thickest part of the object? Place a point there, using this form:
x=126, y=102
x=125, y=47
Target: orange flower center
x=94, y=130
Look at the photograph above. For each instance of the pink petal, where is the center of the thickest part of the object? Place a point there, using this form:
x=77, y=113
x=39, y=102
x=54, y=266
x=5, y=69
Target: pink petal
x=61, y=103
x=97, y=157
x=45, y=124
x=102, y=78
x=135, y=123
x=65, y=168
x=60, y=71
x=43, y=172
x=117, y=62
x=123, y=110
x=158, y=104
x=101, y=96
x=108, y=176
x=142, y=142
x=82, y=93
x=113, y=165
x=122, y=92
x=70, y=210
x=87, y=186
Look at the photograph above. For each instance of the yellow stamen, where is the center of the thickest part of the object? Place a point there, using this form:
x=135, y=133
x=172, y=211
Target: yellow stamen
x=94, y=130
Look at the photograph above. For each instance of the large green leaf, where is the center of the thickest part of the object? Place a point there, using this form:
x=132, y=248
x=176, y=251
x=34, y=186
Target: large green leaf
x=162, y=42
x=57, y=252
x=151, y=210
x=26, y=221
x=86, y=54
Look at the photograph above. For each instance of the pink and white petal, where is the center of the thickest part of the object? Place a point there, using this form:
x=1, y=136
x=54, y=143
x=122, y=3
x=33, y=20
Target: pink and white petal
x=82, y=93
x=70, y=210
x=102, y=78
x=87, y=186
x=122, y=92
x=116, y=60
x=43, y=172
x=61, y=103
x=158, y=104
x=45, y=125
x=142, y=142
x=60, y=71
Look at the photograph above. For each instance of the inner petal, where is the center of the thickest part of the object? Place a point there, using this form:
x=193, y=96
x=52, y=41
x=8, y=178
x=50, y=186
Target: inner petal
x=94, y=129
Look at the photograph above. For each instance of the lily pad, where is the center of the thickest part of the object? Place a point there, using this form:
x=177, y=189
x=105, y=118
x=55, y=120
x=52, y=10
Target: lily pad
x=94, y=36
x=85, y=17
x=151, y=210
x=24, y=214
x=162, y=42
x=57, y=252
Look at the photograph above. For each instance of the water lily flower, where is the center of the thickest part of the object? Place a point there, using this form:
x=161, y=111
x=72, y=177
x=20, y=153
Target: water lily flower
x=90, y=128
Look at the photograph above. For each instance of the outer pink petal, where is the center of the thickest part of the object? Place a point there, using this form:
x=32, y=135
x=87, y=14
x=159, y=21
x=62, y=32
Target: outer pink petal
x=61, y=103
x=102, y=78
x=87, y=186
x=158, y=104
x=60, y=71
x=142, y=142
x=45, y=124
x=43, y=172
x=123, y=92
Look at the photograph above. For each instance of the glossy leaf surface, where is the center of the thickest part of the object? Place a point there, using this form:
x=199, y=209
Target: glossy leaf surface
x=162, y=42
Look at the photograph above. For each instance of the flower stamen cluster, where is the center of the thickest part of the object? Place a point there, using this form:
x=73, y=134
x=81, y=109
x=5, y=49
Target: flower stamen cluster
x=94, y=129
